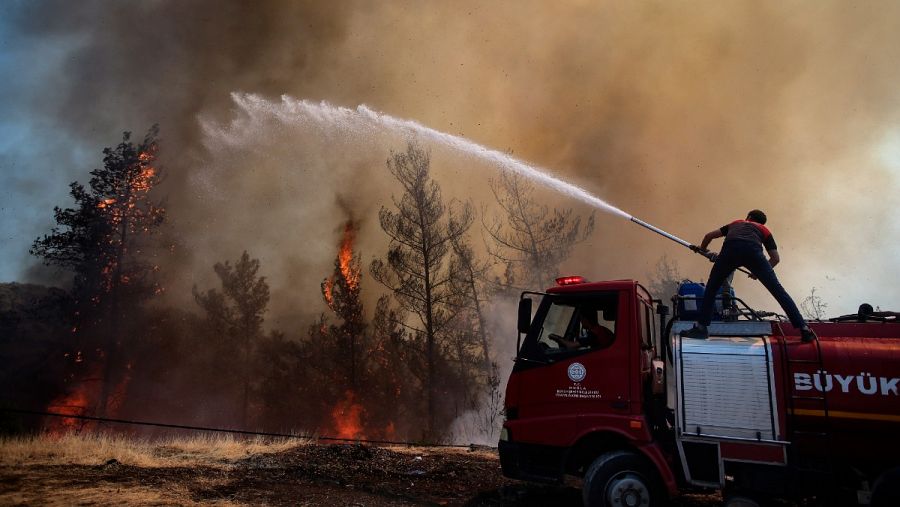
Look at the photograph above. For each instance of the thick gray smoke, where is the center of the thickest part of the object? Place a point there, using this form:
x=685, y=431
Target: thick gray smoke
x=683, y=115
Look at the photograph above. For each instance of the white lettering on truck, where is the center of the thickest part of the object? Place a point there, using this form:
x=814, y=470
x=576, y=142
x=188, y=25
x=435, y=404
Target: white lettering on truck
x=865, y=383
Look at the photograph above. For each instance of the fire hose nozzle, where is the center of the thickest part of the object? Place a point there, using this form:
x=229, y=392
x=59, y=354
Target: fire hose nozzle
x=694, y=248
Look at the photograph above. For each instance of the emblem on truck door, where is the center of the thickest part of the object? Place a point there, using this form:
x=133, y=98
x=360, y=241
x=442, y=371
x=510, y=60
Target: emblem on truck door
x=577, y=372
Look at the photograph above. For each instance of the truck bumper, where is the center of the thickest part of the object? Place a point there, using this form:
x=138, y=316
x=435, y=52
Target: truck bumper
x=532, y=462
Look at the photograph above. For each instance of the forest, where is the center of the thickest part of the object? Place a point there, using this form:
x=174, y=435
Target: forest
x=420, y=365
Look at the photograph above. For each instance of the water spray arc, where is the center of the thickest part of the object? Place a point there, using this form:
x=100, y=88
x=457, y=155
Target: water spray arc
x=364, y=121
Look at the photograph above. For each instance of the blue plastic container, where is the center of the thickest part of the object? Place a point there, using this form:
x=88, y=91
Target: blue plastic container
x=690, y=296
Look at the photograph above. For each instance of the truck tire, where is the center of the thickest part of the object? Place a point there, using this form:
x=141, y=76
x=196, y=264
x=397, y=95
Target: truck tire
x=886, y=490
x=740, y=501
x=621, y=479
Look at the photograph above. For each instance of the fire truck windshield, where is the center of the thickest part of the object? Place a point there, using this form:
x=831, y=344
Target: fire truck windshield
x=571, y=326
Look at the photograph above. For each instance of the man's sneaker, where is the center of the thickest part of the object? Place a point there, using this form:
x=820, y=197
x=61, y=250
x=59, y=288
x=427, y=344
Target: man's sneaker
x=807, y=335
x=698, y=331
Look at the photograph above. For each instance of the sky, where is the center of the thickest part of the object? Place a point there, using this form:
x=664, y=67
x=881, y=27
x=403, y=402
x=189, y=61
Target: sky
x=684, y=114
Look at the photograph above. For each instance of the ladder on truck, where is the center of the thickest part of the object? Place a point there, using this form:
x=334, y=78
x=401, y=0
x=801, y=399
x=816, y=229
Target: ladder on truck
x=814, y=402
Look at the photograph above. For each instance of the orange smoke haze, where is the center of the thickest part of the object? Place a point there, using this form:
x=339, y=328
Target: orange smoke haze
x=683, y=115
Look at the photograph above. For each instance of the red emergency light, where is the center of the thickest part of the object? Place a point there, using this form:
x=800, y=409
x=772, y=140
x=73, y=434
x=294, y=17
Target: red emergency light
x=570, y=280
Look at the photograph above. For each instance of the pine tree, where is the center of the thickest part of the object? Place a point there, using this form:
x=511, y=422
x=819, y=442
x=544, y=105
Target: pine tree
x=238, y=309
x=105, y=242
x=341, y=292
x=531, y=240
x=417, y=269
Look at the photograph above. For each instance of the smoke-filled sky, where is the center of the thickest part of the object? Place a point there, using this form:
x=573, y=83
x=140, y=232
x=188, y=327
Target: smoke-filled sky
x=684, y=114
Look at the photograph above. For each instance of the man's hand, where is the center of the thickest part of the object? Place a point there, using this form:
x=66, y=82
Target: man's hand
x=695, y=249
x=712, y=256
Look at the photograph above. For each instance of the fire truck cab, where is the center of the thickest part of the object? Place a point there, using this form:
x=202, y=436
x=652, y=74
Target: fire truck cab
x=605, y=389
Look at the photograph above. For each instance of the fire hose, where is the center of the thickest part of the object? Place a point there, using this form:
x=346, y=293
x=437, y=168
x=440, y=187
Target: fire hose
x=694, y=248
x=301, y=436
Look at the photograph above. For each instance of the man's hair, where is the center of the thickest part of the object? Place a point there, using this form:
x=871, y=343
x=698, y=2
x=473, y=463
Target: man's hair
x=590, y=315
x=757, y=216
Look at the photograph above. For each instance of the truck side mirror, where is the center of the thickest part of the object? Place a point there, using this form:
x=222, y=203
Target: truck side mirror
x=524, y=315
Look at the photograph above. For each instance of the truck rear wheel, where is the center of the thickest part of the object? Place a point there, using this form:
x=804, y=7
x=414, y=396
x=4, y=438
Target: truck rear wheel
x=620, y=479
x=740, y=501
x=886, y=490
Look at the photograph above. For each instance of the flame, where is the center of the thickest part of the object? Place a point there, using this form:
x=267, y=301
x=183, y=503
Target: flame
x=78, y=401
x=347, y=415
x=327, y=286
x=74, y=403
x=106, y=202
x=349, y=272
x=345, y=257
x=83, y=399
x=128, y=213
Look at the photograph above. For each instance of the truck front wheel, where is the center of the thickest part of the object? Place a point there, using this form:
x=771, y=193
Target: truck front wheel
x=620, y=479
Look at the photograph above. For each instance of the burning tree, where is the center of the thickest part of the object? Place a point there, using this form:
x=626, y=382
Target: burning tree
x=416, y=269
x=531, y=241
x=342, y=295
x=339, y=347
x=236, y=312
x=104, y=242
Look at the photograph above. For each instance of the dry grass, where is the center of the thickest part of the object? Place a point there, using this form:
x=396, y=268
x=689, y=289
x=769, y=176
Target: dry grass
x=93, y=449
x=104, y=495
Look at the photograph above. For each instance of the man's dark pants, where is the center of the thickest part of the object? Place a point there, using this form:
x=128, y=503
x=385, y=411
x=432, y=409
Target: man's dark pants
x=737, y=253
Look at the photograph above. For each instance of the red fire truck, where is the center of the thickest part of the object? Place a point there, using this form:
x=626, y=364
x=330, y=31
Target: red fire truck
x=605, y=388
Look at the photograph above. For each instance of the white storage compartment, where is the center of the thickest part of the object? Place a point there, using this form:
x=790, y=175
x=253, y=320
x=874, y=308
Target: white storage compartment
x=725, y=385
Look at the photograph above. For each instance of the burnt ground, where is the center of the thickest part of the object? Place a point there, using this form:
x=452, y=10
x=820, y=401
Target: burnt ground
x=346, y=475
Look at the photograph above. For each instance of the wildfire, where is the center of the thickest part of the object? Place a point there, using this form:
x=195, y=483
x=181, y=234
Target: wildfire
x=105, y=203
x=349, y=272
x=347, y=415
x=83, y=399
x=327, y=291
x=128, y=212
x=74, y=403
x=144, y=181
x=78, y=401
x=345, y=256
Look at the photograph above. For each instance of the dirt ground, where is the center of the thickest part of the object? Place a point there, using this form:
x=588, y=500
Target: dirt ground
x=308, y=474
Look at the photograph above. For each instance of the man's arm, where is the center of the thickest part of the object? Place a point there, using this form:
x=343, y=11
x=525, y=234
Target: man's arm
x=774, y=258
x=565, y=343
x=711, y=235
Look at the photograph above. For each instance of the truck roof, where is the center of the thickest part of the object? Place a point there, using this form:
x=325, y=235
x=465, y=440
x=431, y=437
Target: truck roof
x=606, y=285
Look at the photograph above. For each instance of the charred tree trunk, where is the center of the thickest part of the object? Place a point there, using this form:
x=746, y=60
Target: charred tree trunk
x=246, y=399
x=115, y=321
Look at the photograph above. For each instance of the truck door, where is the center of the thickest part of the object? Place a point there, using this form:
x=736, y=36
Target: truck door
x=573, y=362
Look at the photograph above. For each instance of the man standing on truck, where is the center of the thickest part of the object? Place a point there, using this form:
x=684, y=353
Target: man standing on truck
x=743, y=246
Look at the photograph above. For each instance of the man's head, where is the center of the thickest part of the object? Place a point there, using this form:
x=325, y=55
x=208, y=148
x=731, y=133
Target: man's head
x=757, y=216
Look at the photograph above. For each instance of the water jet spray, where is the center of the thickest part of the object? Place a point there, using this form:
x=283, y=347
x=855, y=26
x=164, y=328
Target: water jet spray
x=364, y=121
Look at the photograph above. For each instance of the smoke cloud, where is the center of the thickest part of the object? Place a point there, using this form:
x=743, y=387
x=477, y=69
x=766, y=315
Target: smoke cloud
x=684, y=115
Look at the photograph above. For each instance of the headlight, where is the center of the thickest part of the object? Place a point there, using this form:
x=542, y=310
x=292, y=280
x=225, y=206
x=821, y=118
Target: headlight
x=504, y=435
